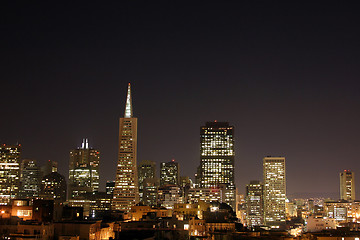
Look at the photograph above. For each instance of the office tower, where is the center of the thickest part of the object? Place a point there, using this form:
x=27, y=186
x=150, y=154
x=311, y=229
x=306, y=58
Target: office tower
x=146, y=170
x=150, y=190
x=347, y=185
x=30, y=179
x=83, y=170
x=49, y=167
x=110, y=185
x=254, y=203
x=169, y=173
x=274, y=191
x=9, y=172
x=185, y=184
x=126, y=192
x=217, y=157
x=53, y=187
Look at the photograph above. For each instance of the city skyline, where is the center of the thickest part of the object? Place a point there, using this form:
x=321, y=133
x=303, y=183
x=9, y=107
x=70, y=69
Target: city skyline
x=285, y=77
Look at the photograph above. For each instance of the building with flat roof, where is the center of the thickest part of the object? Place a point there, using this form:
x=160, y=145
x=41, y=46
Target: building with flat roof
x=9, y=172
x=169, y=173
x=255, y=203
x=274, y=191
x=217, y=159
x=347, y=185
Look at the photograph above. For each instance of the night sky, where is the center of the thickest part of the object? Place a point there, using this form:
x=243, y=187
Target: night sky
x=285, y=74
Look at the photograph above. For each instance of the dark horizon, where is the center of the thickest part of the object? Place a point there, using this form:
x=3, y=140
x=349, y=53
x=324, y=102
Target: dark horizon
x=285, y=75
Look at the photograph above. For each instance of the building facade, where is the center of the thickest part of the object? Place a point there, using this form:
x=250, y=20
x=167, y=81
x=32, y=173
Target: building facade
x=146, y=170
x=207, y=195
x=83, y=170
x=347, y=185
x=126, y=192
x=169, y=173
x=274, y=191
x=168, y=195
x=30, y=179
x=109, y=187
x=150, y=190
x=217, y=158
x=9, y=172
x=49, y=167
x=53, y=187
x=254, y=204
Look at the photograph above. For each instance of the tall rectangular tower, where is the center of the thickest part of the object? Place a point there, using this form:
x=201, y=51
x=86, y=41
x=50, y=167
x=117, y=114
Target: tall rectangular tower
x=169, y=173
x=146, y=170
x=83, y=170
x=254, y=203
x=9, y=172
x=274, y=191
x=217, y=159
x=347, y=185
x=126, y=192
x=30, y=179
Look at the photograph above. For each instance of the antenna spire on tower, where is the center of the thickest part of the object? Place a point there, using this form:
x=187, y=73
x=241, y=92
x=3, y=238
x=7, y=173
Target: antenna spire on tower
x=128, y=107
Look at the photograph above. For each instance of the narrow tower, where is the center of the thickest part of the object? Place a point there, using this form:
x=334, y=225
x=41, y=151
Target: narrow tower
x=274, y=191
x=347, y=185
x=126, y=193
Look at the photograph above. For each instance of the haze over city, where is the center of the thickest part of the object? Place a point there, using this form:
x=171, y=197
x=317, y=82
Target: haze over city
x=284, y=75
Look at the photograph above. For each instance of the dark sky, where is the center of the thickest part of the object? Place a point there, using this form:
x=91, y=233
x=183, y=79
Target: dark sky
x=285, y=74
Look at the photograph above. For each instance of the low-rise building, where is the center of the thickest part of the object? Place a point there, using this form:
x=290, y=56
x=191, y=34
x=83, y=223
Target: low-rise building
x=207, y=195
x=85, y=230
x=343, y=211
x=168, y=195
x=186, y=211
x=138, y=212
x=319, y=224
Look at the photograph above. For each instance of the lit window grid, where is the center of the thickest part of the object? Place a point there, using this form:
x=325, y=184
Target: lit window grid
x=9, y=172
x=274, y=189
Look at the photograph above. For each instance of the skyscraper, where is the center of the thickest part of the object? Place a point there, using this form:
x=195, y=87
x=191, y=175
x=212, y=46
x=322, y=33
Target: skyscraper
x=169, y=173
x=9, y=172
x=347, y=185
x=254, y=203
x=83, y=170
x=49, y=167
x=150, y=191
x=53, y=187
x=146, y=170
x=30, y=179
x=274, y=191
x=126, y=192
x=217, y=159
x=109, y=187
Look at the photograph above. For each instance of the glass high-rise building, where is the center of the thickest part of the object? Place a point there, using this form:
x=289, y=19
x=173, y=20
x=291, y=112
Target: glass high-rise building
x=9, y=172
x=274, y=191
x=347, y=185
x=146, y=170
x=169, y=173
x=217, y=159
x=126, y=192
x=49, y=167
x=53, y=187
x=30, y=179
x=83, y=170
x=109, y=187
x=254, y=203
